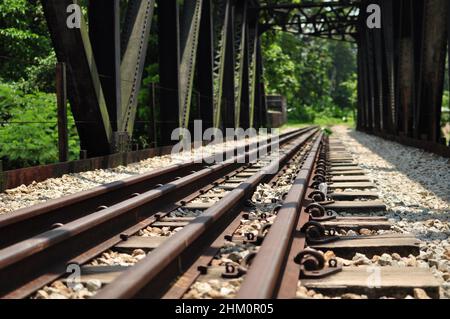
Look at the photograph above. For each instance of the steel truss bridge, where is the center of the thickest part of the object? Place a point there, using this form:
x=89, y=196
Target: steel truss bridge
x=212, y=48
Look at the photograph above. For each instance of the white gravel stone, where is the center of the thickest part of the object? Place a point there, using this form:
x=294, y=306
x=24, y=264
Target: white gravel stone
x=93, y=285
x=361, y=259
x=414, y=186
x=35, y=193
x=110, y=258
x=264, y=200
x=385, y=260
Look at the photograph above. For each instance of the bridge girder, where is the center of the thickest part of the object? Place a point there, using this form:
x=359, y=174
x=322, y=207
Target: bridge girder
x=406, y=59
x=206, y=47
x=211, y=68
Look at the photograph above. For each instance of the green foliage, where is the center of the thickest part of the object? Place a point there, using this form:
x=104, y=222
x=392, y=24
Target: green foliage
x=28, y=129
x=327, y=131
x=41, y=75
x=29, y=134
x=24, y=38
x=316, y=76
x=342, y=73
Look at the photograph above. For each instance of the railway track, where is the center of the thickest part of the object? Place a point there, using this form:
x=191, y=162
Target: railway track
x=44, y=240
x=30, y=221
x=322, y=238
x=275, y=227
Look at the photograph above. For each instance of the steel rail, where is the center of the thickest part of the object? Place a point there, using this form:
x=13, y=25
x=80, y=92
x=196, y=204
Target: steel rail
x=30, y=221
x=263, y=276
x=289, y=278
x=139, y=277
x=208, y=253
x=35, y=257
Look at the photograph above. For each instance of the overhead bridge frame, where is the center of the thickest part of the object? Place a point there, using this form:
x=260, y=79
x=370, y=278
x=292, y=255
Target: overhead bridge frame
x=401, y=70
x=401, y=66
x=210, y=47
x=211, y=66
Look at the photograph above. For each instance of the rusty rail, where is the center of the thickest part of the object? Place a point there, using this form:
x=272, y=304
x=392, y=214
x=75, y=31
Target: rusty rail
x=263, y=277
x=30, y=221
x=133, y=282
x=27, y=265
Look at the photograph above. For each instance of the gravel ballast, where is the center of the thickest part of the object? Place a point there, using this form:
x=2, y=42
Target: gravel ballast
x=52, y=188
x=415, y=186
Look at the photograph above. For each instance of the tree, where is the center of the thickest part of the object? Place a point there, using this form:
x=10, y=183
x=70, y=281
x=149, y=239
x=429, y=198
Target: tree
x=315, y=75
x=24, y=41
x=343, y=69
x=30, y=136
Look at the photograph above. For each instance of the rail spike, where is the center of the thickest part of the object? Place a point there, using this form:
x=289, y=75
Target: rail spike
x=233, y=271
x=316, y=233
x=318, y=213
x=313, y=264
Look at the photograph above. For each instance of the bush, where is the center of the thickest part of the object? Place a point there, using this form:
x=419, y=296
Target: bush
x=29, y=133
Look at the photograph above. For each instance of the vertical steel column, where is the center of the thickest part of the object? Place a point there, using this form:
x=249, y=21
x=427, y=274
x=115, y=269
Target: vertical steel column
x=240, y=42
x=397, y=112
x=189, y=34
x=372, y=79
x=367, y=81
x=244, y=118
x=169, y=65
x=228, y=109
x=433, y=68
x=135, y=36
x=264, y=114
x=416, y=9
x=104, y=33
x=252, y=88
x=222, y=14
x=85, y=92
x=380, y=80
x=405, y=69
x=388, y=37
x=152, y=129
x=259, y=101
x=205, y=56
x=361, y=87
x=61, y=99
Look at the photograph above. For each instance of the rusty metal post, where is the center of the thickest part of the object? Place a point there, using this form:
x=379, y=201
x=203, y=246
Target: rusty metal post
x=228, y=114
x=359, y=92
x=152, y=135
x=405, y=76
x=367, y=91
x=389, y=34
x=83, y=154
x=169, y=68
x=382, y=80
x=104, y=33
x=205, y=56
x=2, y=181
x=433, y=68
x=61, y=99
